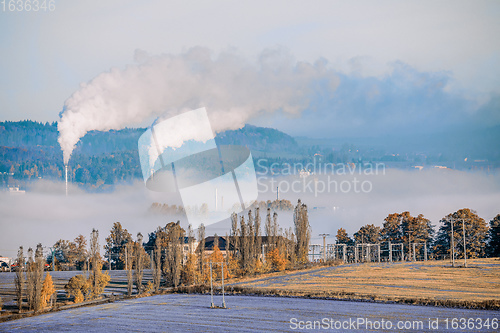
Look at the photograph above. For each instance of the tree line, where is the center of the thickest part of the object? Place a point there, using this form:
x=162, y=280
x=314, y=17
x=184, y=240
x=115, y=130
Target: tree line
x=174, y=255
x=402, y=228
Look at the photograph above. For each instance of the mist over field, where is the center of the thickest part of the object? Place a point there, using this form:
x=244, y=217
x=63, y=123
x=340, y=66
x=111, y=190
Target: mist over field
x=45, y=214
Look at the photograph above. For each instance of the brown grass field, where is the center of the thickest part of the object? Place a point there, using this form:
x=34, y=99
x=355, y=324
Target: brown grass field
x=431, y=282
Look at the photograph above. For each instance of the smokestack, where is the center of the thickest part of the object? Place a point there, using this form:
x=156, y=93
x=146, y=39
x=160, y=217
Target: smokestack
x=233, y=88
x=66, y=171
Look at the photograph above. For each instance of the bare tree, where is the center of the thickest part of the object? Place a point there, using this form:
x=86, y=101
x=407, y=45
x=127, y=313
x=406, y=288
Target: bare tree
x=94, y=257
x=38, y=277
x=30, y=279
x=201, y=247
x=129, y=263
x=19, y=279
x=139, y=263
x=175, y=236
x=257, y=234
x=233, y=240
x=246, y=261
x=275, y=229
x=157, y=263
x=98, y=280
x=302, y=232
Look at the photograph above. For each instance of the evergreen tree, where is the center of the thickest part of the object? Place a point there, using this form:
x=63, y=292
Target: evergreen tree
x=391, y=229
x=343, y=237
x=115, y=242
x=476, y=232
x=494, y=237
x=368, y=234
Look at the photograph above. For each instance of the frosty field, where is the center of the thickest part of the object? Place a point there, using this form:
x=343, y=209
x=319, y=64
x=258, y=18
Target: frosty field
x=191, y=313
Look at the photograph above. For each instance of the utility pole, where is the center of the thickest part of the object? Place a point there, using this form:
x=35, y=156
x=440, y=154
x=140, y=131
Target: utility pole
x=452, y=245
x=324, y=245
x=390, y=252
x=465, y=247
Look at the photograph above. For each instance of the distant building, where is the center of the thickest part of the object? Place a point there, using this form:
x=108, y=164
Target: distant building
x=224, y=244
x=186, y=247
x=4, y=264
x=16, y=190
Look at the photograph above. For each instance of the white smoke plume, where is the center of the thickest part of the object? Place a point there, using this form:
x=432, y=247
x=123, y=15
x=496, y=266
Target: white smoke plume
x=232, y=89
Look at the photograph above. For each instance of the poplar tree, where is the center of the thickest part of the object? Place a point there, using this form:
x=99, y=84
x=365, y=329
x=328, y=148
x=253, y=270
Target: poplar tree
x=139, y=263
x=19, y=279
x=201, y=248
x=30, y=279
x=302, y=232
x=38, y=277
x=258, y=235
x=157, y=264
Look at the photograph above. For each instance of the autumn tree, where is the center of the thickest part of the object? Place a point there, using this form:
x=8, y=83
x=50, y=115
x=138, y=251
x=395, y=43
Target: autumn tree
x=343, y=237
x=476, y=233
x=391, y=229
x=367, y=234
x=78, y=287
x=276, y=260
x=494, y=237
x=407, y=229
x=302, y=232
x=97, y=280
x=174, y=236
x=189, y=273
x=217, y=259
x=80, y=251
x=115, y=243
x=47, y=290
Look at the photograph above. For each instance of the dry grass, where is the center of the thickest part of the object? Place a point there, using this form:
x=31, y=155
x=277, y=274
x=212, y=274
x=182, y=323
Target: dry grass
x=431, y=282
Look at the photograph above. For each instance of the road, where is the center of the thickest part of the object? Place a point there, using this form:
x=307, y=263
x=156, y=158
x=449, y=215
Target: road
x=191, y=313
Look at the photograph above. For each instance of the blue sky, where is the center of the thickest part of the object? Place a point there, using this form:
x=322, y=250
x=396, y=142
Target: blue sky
x=397, y=63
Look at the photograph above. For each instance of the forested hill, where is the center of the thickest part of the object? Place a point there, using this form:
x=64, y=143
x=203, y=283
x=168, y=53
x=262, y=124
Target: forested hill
x=29, y=150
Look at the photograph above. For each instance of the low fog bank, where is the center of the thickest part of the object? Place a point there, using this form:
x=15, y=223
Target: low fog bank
x=44, y=214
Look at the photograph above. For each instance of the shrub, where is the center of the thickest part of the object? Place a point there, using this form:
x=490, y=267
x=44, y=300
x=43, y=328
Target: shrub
x=78, y=286
x=276, y=260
